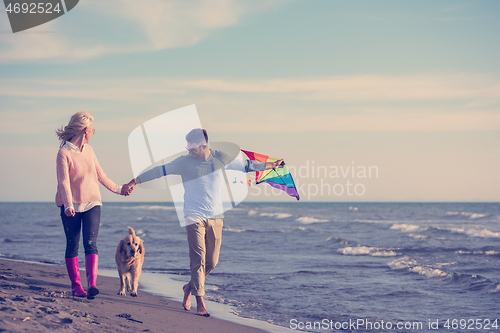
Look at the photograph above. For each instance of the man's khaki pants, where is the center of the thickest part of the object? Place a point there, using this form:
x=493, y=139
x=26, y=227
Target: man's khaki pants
x=204, y=238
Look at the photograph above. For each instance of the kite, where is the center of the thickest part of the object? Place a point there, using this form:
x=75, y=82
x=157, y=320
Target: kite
x=279, y=178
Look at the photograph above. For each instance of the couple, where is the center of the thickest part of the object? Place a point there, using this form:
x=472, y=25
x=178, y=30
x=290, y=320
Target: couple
x=201, y=199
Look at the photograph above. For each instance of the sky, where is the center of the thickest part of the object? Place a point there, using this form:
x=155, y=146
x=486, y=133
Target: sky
x=408, y=90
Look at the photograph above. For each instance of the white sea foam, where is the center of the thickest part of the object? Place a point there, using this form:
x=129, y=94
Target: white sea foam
x=252, y=212
x=475, y=252
x=407, y=227
x=418, y=236
x=445, y=264
x=151, y=218
x=496, y=290
x=277, y=215
x=226, y=229
x=472, y=216
x=309, y=219
x=483, y=233
x=428, y=271
x=415, y=267
x=146, y=207
x=141, y=233
x=401, y=263
x=365, y=250
x=155, y=207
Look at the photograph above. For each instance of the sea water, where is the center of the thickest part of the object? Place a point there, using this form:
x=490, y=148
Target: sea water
x=319, y=267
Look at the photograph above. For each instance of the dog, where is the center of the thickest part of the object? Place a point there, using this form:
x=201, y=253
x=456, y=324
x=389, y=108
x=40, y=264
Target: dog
x=129, y=258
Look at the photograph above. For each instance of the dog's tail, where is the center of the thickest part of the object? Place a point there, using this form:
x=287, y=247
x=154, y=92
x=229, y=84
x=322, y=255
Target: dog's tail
x=131, y=231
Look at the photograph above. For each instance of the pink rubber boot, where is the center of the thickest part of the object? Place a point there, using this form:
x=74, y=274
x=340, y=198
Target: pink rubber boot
x=74, y=276
x=91, y=263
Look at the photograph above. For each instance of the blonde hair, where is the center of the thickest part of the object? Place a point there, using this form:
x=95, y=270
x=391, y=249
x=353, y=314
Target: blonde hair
x=78, y=122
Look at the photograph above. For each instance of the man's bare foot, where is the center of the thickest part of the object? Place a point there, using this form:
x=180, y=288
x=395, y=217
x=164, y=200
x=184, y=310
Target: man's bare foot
x=201, y=309
x=186, y=303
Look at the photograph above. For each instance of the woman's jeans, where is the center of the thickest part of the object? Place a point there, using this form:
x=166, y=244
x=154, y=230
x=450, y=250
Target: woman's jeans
x=87, y=222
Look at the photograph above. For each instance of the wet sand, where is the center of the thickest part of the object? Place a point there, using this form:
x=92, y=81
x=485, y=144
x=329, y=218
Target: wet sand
x=38, y=298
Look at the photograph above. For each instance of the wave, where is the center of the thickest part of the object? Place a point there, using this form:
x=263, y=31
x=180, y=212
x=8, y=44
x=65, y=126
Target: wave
x=471, y=216
x=475, y=232
x=495, y=289
x=8, y=240
x=418, y=236
x=483, y=233
x=149, y=218
x=414, y=267
x=147, y=207
x=227, y=229
x=310, y=219
x=365, y=250
x=473, y=282
x=141, y=233
x=277, y=215
x=408, y=227
x=488, y=253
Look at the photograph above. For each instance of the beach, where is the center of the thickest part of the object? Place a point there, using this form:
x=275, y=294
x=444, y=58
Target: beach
x=38, y=298
x=280, y=264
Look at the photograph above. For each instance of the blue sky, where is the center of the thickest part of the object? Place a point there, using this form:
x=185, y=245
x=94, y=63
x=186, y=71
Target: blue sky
x=412, y=88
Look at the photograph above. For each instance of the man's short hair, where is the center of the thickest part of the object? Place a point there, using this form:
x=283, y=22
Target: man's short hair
x=198, y=136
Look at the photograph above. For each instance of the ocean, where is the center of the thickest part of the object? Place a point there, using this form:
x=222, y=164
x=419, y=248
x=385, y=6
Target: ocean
x=315, y=267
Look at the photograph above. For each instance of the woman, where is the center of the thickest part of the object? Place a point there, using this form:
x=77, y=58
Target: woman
x=78, y=174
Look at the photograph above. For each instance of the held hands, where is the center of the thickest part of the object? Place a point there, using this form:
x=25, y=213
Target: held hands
x=125, y=190
x=128, y=188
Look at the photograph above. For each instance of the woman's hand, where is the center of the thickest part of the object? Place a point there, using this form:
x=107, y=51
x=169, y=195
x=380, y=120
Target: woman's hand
x=69, y=212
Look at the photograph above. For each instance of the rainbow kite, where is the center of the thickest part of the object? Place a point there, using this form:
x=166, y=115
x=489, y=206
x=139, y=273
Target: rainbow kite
x=280, y=178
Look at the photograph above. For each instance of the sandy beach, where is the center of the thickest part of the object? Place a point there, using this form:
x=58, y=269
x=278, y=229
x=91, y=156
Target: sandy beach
x=38, y=298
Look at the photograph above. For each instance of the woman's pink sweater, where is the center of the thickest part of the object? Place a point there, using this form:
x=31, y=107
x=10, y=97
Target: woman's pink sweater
x=78, y=174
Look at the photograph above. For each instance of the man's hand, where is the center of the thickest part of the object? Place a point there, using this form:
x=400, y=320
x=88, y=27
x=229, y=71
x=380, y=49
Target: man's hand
x=276, y=164
x=131, y=185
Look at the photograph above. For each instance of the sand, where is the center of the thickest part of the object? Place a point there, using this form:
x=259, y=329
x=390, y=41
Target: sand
x=38, y=298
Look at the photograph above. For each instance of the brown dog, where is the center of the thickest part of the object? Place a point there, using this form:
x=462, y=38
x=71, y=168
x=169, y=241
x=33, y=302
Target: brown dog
x=129, y=258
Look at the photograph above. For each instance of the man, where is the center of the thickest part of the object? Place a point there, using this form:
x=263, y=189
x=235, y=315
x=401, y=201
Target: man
x=202, y=178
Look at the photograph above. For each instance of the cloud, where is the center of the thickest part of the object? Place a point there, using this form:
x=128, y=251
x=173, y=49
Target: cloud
x=343, y=103
x=471, y=88
x=427, y=87
x=124, y=26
